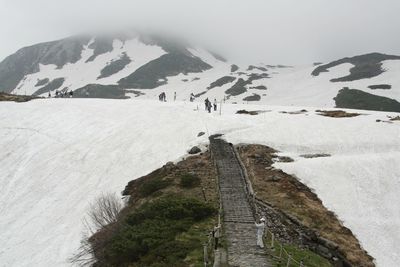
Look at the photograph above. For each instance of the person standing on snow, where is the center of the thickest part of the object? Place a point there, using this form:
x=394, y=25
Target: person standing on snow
x=260, y=232
x=174, y=96
x=209, y=106
x=206, y=103
x=215, y=104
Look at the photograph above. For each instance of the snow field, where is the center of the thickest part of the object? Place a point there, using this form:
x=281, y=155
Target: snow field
x=57, y=155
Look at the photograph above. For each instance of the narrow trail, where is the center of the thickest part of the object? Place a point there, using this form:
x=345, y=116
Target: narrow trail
x=238, y=218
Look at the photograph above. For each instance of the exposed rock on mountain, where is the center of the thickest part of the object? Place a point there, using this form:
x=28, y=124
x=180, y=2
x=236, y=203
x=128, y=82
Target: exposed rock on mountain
x=115, y=66
x=26, y=60
x=365, y=66
x=155, y=73
x=221, y=81
x=53, y=85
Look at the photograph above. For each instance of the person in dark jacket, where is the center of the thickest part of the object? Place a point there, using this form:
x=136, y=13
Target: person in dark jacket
x=206, y=103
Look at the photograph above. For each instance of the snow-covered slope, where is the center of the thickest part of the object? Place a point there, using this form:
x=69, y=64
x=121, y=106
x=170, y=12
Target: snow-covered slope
x=140, y=65
x=57, y=155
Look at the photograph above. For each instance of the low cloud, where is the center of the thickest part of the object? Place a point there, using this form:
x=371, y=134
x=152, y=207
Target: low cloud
x=270, y=31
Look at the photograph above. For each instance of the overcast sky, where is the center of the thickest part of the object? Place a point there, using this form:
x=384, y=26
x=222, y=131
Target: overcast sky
x=270, y=31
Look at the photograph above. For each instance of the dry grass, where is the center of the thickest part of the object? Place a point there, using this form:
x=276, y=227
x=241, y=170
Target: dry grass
x=16, y=98
x=336, y=113
x=287, y=194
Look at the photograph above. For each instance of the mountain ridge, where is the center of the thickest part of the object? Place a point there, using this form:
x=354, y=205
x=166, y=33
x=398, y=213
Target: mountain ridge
x=151, y=64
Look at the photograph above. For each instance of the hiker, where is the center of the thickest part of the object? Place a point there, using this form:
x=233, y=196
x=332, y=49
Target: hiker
x=206, y=103
x=217, y=235
x=215, y=104
x=49, y=95
x=174, y=96
x=162, y=97
x=57, y=93
x=71, y=93
x=260, y=232
x=209, y=106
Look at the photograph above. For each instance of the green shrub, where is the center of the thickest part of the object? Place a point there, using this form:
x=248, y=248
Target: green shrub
x=189, y=180
x=153, y=185
x=149, y=236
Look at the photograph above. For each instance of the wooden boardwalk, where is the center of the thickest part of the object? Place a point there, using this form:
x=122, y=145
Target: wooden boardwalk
x=238, y=218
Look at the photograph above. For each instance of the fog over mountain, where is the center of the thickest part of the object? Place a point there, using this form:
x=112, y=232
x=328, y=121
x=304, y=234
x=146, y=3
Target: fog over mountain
x=270, y=31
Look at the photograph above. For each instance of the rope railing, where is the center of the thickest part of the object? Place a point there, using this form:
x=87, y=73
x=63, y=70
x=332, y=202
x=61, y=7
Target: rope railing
x=282, y=255
x=207, y=246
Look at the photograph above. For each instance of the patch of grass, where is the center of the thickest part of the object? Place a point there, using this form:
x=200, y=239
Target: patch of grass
x=188, y=180
x=151, y=186
x=198, y=234
x=309, y=258
x=336, y=113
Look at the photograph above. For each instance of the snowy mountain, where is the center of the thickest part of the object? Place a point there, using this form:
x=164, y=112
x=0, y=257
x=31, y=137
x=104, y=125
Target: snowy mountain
x=140, y=65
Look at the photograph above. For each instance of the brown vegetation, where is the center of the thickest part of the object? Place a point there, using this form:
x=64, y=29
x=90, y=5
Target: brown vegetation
x=16, y=98
x=288, y=195
x=336, y=113
x=243, y=111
